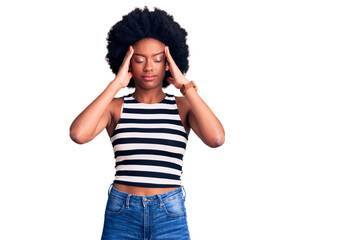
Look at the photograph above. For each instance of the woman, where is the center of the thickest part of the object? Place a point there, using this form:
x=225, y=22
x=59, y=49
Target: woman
x=148, y=128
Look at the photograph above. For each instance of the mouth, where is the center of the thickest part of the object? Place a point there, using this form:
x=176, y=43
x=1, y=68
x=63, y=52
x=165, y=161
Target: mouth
x=149, y=77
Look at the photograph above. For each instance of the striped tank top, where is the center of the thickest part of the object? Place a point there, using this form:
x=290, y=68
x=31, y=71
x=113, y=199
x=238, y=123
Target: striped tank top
x=149, y=143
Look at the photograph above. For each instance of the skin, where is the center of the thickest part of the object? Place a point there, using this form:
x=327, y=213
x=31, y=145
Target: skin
x=147, y=57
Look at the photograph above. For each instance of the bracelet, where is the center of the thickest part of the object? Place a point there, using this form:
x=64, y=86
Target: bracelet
x=187, y=86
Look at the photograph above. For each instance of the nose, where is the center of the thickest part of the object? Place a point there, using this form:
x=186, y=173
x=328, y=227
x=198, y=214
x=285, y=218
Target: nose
x=148, y=66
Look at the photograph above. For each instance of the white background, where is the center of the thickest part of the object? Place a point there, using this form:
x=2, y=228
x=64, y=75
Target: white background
x=278, y=74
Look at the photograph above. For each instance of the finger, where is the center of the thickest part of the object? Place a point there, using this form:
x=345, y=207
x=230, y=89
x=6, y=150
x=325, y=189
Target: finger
x=167, y=54
x=128, y=56
x=130, y=53
x=171, y=62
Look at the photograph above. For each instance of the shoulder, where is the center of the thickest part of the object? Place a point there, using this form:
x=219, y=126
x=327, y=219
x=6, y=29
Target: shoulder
x=115, y=107
x=182, y=102
x=116, y=102
x=184, y=109
x=114, y=110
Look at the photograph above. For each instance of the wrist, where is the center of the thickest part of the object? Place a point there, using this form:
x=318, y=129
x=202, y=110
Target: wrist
x=185, y=81
x=181, y=83
x=188, y=86
x=116, y=83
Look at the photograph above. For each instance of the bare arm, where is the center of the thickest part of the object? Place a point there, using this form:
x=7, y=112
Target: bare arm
x=97, y=116
x=203, y=121
x=200, y=117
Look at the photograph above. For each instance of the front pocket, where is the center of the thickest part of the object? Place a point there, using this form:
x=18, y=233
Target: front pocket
x=115, y=205
x=175, y=207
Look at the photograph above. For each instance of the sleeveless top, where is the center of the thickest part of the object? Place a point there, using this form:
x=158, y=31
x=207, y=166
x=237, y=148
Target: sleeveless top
x=149, y=143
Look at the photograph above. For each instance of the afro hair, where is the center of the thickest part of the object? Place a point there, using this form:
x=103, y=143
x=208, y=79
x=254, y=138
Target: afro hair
x=142, y=23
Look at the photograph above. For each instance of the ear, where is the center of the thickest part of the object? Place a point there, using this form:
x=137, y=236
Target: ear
x=166, y=66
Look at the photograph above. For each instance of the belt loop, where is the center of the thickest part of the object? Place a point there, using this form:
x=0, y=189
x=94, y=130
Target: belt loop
x=183, y=190
x=127, y=200
x=109, y=189
x=160, y=201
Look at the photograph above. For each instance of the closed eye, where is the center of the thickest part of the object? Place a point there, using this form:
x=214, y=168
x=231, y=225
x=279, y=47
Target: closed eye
x=139, y=60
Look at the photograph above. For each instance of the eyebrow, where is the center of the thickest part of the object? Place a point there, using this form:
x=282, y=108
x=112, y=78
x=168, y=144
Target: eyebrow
x=144, y=56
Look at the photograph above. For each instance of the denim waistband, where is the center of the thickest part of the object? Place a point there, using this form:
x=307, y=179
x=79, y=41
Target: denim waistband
x=146, y=200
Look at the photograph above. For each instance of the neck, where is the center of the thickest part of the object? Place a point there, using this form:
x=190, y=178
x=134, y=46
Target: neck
x=149, y=96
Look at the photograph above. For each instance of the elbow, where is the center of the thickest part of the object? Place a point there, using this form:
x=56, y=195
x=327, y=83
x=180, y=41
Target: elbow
x=217, y=141
x=78, y=138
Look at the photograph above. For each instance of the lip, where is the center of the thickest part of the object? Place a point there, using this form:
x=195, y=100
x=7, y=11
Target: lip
x=149, y=77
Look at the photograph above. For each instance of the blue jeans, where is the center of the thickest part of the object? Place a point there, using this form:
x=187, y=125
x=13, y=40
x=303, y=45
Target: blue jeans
x=157, y=217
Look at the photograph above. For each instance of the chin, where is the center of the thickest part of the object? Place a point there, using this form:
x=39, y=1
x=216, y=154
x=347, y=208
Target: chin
x=148, y=84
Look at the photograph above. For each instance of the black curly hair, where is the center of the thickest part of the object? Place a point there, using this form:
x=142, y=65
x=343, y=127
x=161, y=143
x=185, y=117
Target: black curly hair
x=142, y=23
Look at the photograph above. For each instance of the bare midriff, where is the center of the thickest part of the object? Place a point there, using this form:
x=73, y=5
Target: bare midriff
x=141, y=191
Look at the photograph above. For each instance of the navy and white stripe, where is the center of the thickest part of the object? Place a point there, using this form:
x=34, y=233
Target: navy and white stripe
x=149, y=143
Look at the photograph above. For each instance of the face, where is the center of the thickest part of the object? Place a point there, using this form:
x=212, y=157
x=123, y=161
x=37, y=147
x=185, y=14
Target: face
x=148, y=63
